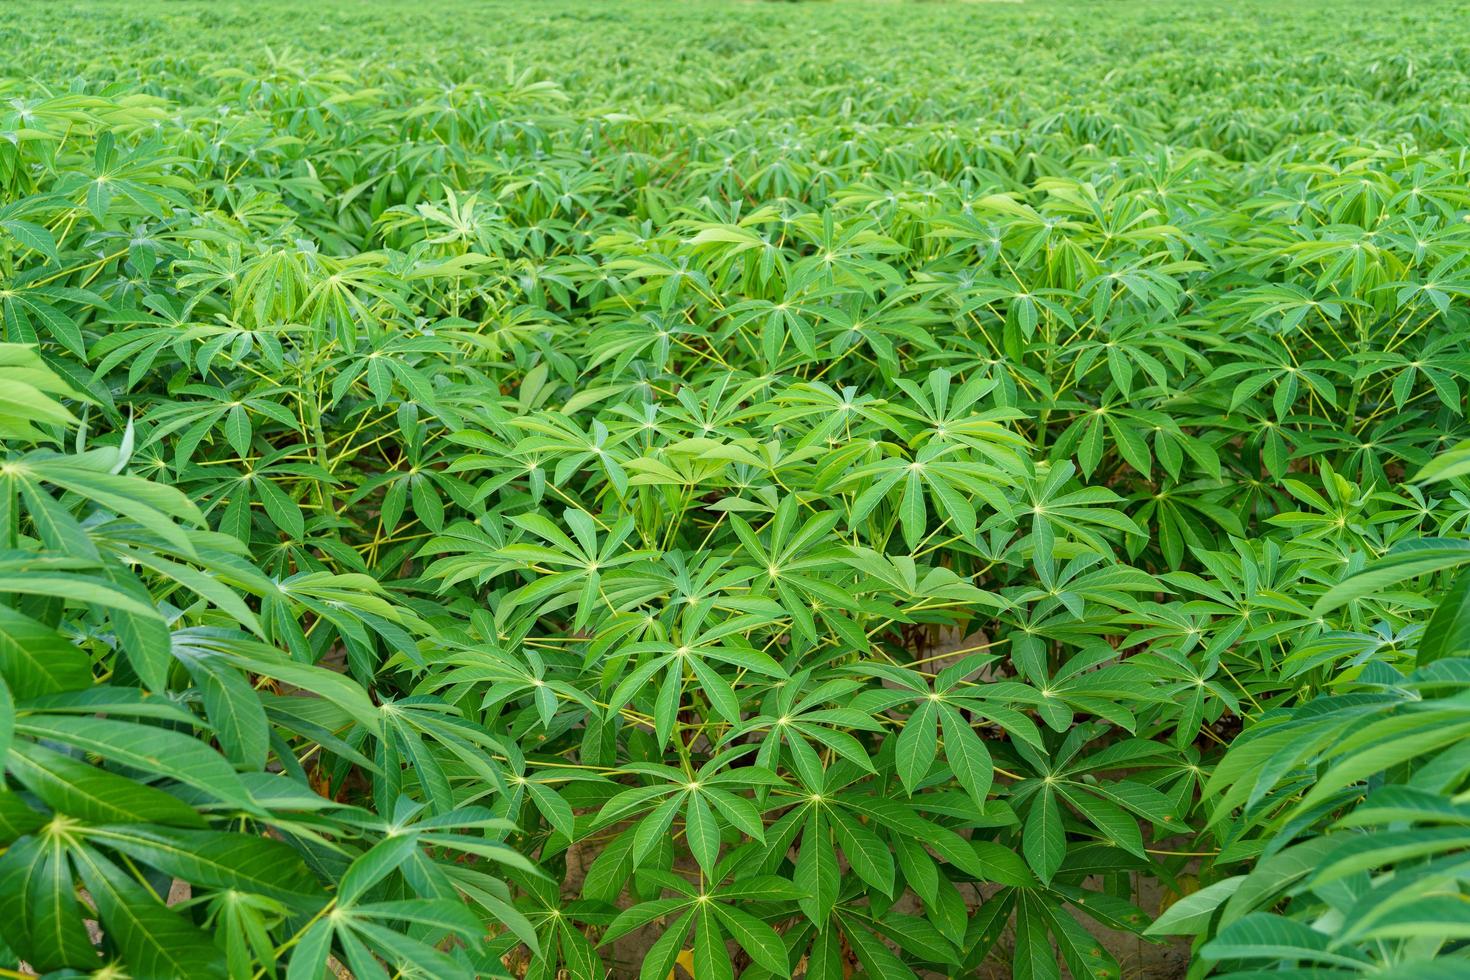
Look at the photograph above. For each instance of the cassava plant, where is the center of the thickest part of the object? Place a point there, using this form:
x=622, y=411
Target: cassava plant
x=643, y=490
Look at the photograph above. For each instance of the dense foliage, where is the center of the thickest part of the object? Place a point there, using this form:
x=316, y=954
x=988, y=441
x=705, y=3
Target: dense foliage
x=826, y=490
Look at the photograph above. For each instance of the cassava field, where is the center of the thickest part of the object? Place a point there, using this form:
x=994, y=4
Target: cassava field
x=646, y=489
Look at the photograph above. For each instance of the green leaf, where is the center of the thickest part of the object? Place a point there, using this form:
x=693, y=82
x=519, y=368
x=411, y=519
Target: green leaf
x=1448, y=465
x=1436, y=918
x=1043, y=841
x=236, y=714
x=7, y=719
x=17, y=818
x=309, y=960
x=281, y=509
x=968, y=757
x=759, y=940
x=1447, y=634
x=78, y=588
x=658, y=962
x=1261, y=936
x=243, y=862
x=1035, y=957
x=153, y=940
x=917, y=745
x=868, y=856
x=56, y=934
x=91, y=794
x=638, y=916
x=373, y=865
x=32, y=236
x=1408, y=560
x=710, y=956
x=816, y=873
x=1381, y=849
x=1191, y=915
x=702, y=832
x=1367, y=760
x=146, y=749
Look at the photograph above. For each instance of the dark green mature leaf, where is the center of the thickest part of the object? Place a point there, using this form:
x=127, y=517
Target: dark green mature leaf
x=145, y=749
x=92, y=794
x=218, y=860
x=37, y=660
x=17, y=817
x=151, y=939
x=43, y=919
x=1044, y=842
